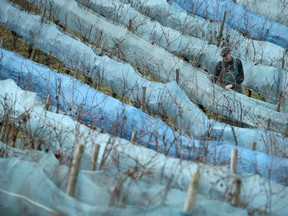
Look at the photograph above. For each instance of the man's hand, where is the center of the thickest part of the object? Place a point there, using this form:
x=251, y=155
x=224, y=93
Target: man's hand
x=228, y=86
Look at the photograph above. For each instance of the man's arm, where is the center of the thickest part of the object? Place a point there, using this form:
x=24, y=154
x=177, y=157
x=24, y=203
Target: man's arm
x=217, y=72
x=240, y=75
x=217, y=69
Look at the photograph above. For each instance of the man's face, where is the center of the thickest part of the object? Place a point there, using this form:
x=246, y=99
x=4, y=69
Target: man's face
x=227, y=57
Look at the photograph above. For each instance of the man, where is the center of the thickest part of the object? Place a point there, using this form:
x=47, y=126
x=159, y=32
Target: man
x=229, y=72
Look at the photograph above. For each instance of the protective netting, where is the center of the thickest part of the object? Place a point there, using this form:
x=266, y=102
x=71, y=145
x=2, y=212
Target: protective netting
x=173, y=16
x=84, y=103
x=22, y=170
x=276, y=10
x=208, y=94
x=199, y=51
x=256, y=25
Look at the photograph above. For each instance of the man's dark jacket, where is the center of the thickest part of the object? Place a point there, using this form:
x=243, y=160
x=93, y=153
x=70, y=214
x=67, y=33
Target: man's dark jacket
x=230, y=73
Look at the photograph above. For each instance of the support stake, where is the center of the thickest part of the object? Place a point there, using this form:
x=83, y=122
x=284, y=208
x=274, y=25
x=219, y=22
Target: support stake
x=233, y=165
x=14, y=41
x=249, y=92
x=253, y=146
x=94, y=159
x=177, y=75
x=33, y=54
x=143, y=98
x=74, y=170
x=236, y=194
x=134, y=136
x=4, y=129
x=221, y=29
x=129, y=27
x=48, y=102
x=192, y=193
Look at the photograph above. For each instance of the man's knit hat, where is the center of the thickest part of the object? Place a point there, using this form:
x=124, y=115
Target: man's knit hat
x=225, y=51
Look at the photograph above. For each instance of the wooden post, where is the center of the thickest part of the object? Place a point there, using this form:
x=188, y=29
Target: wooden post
x=14, y=136
x=191, y=194
x=177, y=75
x=29, y=51
x=94, y=159
x=4, y=132
x=134, y=136
x=7, y=133
x=253, y=146
x=249, y=92
x=58, y=86
x=74, y=170
x=280, y=92
x=48, y=102
x=278, y=105
x=33, y=55
x=76, y=74
x=4, y=129
x=221, y=29
x=268, y=124
x=129, y=27
x=114, y=95
x=236, y=193
x=43, y=14
x=143, y=98
x=233, y=165
x=50, y=12
x=14, y=41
